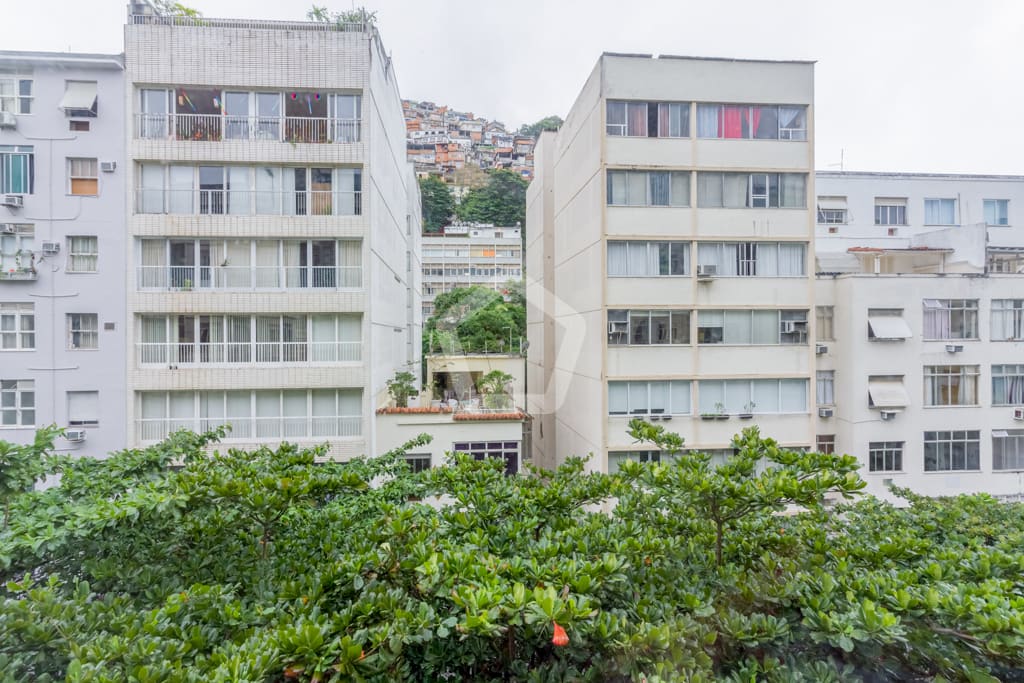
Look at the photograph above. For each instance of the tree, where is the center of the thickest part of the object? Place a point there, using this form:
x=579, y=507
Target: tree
x=547, y=123
x=437, y=202
x=170, y=8
x=495, y=388
x=502, y=201
x=473, y=319
x=357, y=15
x=402, y=387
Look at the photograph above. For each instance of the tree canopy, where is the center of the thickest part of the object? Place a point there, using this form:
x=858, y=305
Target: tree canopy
x=546, y=123
x=172, y=564
x=502, y=201
x=437, y=202
x=473, y=319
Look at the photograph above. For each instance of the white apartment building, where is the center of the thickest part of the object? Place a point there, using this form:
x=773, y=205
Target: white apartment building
x=467, y=255
x=273, y=272
x=62, y=245
x=670, y=254
x=920, y=330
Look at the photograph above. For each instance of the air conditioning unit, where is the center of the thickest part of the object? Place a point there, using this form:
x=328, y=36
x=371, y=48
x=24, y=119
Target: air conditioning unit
x=707, y=271
x=15, y=201
x=8, y=229
x=1018, y=413
x=791, y=326
x=820, y=349
x=108, y=166
x=74, y=435
x=826, y=412
x=8, y=120
x=51, y=248
x=893, y=232
x=888, y=414
x=954, y=348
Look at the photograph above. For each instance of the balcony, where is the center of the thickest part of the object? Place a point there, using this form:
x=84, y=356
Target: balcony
x=219, y=202
x=218, y=128
x=19, y=275
x=187, y=278
x=247, y=353
x=254, y=428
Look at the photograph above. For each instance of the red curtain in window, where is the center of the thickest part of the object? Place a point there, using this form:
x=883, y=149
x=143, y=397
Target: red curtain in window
x=731, y=124
x=637, y=120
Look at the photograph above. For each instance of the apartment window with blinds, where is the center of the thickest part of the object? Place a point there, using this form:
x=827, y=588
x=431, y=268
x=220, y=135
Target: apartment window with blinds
x=951, y=385
x=753, y=327
x=890, y=210
x=758, y=122
x=642, y=327
x=1008, y=449
x=760, y=396
x=950, y=319
x=648, y=259
x=885, y=456
x=825, y=323
x=825, y=443
x=648, y=119
x=1007, y=320
x=83, y=177
x=17, y=169
x=826, y=387
x=83, y=331
x=754, y=259
x=83, y=408
x=17, y=326
x=946, y=451
x=751, y=190
x=83, y=254
x=1008, y=385
x=671, y=397
x=648, y=188
x=17, y=402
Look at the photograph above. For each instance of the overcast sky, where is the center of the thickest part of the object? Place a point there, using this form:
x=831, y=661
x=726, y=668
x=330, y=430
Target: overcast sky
x=901, y=85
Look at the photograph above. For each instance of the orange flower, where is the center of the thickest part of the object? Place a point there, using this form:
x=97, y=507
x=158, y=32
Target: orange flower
x=561, y=638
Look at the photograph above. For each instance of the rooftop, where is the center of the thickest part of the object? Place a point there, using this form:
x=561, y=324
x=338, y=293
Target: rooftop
x=847, y=175
x=707, y=59
x=63, y=58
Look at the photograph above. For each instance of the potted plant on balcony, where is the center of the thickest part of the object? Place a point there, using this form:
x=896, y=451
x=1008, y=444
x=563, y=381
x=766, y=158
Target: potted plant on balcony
x=748, y=411
x=719, y=413
x=494, y=387
x=401, y=387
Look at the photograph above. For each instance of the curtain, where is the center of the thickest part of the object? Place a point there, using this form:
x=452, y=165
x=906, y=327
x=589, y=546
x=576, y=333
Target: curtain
x=707, y=120
x=325, y=412
x=350, y=258
x=239, y=192
x=659, y=188
x=618, y=398
x=636, y=191
x=709, y=190
x=734, y=190
x=292, y=205
x=153, y=272
x=617, y=259
x=793, y=190
x=733, y=120
x=936, y=320
x=350, y=402
x=939, y=211
x=616, y=188
x=793, y=395
x=615, y=119
x=324, y=335
x=767, y=256
x=638, y=397
x=765, y=395
x=826, y=388
x=793, y=123
x=151, y=199
x=737, y=327
x=680, y=397
x=637, y=122
x=673, y=120
x=680, y=192
x=268, y=264
x=638, y=259
x=665, y=120
x=709, y=394
x=268, y=191
x=765, y=327
x=765, y=122
x=211, y=409
x=344, y=192
x=293, y=253
x=181, y=186
x=153, y=406
x=792, y=259
x=659, y=397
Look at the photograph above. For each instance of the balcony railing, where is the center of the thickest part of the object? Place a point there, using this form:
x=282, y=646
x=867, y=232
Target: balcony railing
x=247, y=353
x=218, y=127
x=250, y=202
x=254, y=428
x=19, y=274
x=187, y=278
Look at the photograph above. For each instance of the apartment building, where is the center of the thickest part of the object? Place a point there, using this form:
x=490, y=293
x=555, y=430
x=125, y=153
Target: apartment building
x=670, y=258
x=62, y=296
x=920, y=329
x=467, y=255
x=274, y=222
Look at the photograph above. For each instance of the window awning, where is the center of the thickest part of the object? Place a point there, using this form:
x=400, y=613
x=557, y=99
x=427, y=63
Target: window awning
x=832, y=203
x=889, y=327
x=78, y=95
x=888, y=393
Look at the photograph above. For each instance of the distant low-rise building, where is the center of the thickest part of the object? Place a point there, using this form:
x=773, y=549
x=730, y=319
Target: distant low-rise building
x=465, y=255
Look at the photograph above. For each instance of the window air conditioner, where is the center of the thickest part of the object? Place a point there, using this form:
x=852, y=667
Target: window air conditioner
x=1018, y=413
x=954, y=348
x=707, y=271
x=888, y=414
x=791, y=326
x=51, y=248
x=15, y=201
x=108, y=166
x=820, y=349
x=8, y=120
x=826, y=412
x=74, y=435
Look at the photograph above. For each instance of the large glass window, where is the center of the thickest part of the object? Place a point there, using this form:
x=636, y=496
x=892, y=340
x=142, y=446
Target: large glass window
x=950, y=319
x=826, y=380
x=751, y=327
x=670, y=397
x=648, y=119
x=83, y=408
x=940, y=212
x=17, y=402
x=83, y=254
x=648, y=259
x=643, y=327
x=16, y=247
x=761, y=122
x=890, y=211
x=952, y=450
x=950, y=385
x=825, y=323
x=17, y=169
x=1007, y=320
x=1008, y=385
x=15, y=95
x=480, y=450
x=753, y=259
x=751, y=190
x=83, y=331
x=1008, y=449
x=648, y=188
x=885, y=456
x=17, y=326
x=762, y=396
x=83, y=177
x=997, y=211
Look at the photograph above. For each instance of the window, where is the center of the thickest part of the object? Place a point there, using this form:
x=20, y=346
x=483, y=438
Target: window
x=940, y=212
x=648, y=259
x=506, y=450
x=885, y=456
x=78, y=125
x=670, y=397
x=762, y=396
x=832, y=210
x=16, y=248
x=1008, y=320
x=17, y=403
x=17, y=327
x=825, y=443
x=997, y=211
x=887, y=324
x=826, y=387
x=640, y=327
x=418, y=462
x=764, y=122
x=648, y=119
x=17, y=169
x=83, y=408
x=16, y=94
x=887, y=392
x=751, y=190
x=754, y=259
x=825, y=323
x=950, y=319
x=648, y=188
x=79, y=99
x=1008, y=385
x=952, y=451
x=951, y=385
x=82, y=177
x=890, y=211
x=1008, y=449
x=83, y=331
x=751, y=327
x=616, y=458
x=83, y=254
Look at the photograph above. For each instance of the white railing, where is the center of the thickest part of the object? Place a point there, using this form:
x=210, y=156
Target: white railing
x=266, y=24
x=250, y=202
x=254, y=428
x=218, y=127
x=249, y=277
x=247, y=353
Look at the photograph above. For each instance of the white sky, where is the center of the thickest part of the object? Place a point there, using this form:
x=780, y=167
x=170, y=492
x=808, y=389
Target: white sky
x=901, y=85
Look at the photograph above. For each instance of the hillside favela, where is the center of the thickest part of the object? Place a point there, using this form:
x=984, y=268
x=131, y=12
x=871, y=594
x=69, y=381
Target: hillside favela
x=330, y=351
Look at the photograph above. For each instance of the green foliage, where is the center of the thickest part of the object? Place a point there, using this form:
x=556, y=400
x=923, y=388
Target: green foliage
x=473, y=319
x=266, y=566
x=402, y=387
x=21, y=466
x=546, y=123
x=357, y=15
x=437, y=202
x=495, y=388
x=502, y=201
x=170, y=8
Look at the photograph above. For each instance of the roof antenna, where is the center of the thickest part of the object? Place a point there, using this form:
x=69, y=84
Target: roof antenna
x=842, y=161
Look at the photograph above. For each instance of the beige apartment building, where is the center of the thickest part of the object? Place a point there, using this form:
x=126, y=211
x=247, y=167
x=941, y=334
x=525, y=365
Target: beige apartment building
x=273, y=271
x=669, y=258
